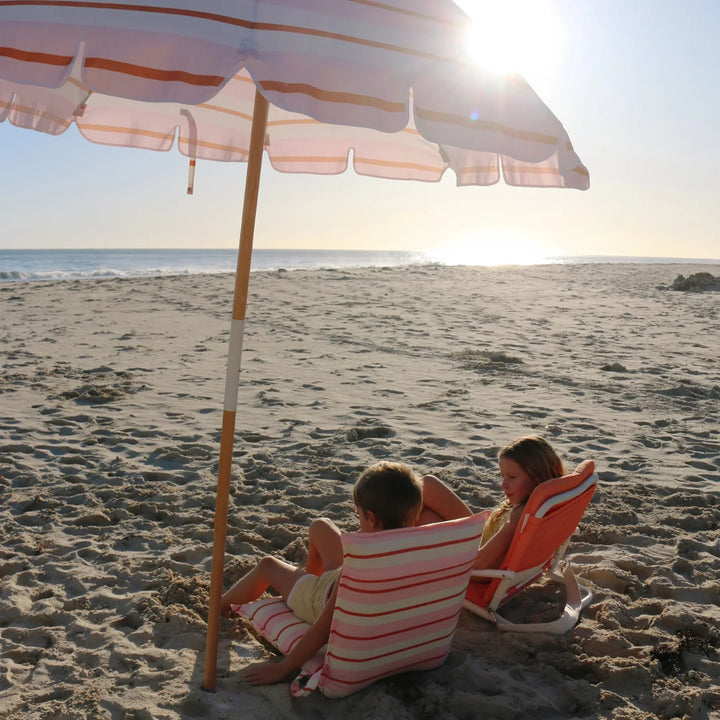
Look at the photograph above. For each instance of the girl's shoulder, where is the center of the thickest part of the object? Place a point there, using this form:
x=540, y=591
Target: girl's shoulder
x=509, y=517
x=515, y=512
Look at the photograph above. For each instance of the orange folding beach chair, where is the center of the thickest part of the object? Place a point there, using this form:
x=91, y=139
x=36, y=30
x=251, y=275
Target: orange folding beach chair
x=551, y=516
x=399, y=597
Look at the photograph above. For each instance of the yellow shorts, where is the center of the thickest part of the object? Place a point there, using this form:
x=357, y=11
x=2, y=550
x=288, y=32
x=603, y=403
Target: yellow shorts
x=310, y=594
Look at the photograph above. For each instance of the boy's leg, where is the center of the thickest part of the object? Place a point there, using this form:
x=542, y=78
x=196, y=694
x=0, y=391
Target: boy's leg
x=324, y=547
x=440, y=502
x=269, y=572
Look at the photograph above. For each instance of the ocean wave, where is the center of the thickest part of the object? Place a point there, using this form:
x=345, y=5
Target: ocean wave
x=13, y=275
x=52, y=265
x=100, y=273
x=86, y=264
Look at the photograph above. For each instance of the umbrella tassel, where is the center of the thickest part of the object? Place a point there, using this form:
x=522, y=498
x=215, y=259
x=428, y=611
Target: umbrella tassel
x=191, y=177
x=192, y=141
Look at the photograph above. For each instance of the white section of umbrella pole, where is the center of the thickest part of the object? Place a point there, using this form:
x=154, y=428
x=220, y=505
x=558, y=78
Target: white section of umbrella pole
x=242, y=279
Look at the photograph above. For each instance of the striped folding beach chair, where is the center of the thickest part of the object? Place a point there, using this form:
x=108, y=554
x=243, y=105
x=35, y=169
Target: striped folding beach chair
x=399, y=597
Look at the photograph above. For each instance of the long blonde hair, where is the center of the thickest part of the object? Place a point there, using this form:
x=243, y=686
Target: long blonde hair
x=537, y=458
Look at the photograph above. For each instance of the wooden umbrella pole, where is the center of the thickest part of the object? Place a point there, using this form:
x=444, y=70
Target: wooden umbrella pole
x=242, y=279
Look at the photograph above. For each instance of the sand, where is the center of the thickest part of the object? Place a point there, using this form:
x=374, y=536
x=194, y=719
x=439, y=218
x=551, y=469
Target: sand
x=111, y=396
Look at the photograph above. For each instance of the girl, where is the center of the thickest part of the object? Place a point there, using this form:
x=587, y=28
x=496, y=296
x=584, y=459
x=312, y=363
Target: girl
x=524, y=464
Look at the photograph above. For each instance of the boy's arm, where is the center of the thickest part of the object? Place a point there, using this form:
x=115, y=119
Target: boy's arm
x=440, y=502
x=325, y=549
x=315, y=637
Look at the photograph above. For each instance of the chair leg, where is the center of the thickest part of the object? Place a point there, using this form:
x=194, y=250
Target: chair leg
x=577, y=598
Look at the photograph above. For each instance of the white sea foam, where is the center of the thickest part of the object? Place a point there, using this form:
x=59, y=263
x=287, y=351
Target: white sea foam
x=45, y=265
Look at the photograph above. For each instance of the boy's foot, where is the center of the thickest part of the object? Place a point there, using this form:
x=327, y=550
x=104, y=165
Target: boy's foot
x=225, y=610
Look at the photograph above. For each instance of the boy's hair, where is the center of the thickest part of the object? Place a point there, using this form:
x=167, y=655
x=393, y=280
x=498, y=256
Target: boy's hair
x=536, y=457
x=392, y=492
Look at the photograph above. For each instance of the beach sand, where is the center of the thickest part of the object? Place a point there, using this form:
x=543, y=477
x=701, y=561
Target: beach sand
x=111, y=396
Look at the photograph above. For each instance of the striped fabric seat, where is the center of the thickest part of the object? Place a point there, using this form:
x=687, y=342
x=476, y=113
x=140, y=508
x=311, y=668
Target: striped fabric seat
x=399, y=597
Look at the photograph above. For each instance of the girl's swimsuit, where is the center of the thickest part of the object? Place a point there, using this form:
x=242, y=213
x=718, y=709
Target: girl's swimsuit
x=497, y=520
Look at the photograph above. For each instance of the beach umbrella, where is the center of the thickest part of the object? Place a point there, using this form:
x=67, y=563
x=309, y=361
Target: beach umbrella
x=309, y=82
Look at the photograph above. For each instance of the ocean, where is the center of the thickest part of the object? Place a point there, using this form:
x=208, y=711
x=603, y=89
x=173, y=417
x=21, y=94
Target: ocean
x=35, y=265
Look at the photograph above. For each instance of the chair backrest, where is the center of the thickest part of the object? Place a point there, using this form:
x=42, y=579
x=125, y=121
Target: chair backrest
x=399, y=597
x=551, y=516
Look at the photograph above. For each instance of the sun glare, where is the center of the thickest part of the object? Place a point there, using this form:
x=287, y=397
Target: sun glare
x=492, y=247
x=520, y=36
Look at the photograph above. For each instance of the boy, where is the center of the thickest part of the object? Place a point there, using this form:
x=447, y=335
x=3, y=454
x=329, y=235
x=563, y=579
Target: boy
x=387, y=496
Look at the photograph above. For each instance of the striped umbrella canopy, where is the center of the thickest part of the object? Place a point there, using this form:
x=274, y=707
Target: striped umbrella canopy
x=305, y=81
x=391, y=80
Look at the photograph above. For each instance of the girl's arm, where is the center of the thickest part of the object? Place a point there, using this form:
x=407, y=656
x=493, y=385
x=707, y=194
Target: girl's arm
x=315, y=637
x=493, y=552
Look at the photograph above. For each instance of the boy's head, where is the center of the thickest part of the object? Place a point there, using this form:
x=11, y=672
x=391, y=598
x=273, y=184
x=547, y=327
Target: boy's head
x=390, y=495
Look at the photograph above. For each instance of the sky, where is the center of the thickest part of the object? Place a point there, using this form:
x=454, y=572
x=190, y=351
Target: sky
x=634, y=82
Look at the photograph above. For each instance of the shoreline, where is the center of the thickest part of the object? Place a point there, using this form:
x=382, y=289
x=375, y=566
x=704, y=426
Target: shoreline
x=96, y=264
x=112, y=395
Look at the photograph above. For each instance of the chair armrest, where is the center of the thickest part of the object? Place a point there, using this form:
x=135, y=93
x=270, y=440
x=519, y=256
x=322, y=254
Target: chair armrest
x=490, y=573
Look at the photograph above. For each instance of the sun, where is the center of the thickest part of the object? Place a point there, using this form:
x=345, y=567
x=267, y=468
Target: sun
x=514, y=36
x=493, y=246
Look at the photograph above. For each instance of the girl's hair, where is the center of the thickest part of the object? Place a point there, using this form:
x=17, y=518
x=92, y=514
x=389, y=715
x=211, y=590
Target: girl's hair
x=392, y=492
x=535, y=456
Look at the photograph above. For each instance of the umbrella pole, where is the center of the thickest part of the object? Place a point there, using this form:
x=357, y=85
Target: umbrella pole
x=242, y=278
